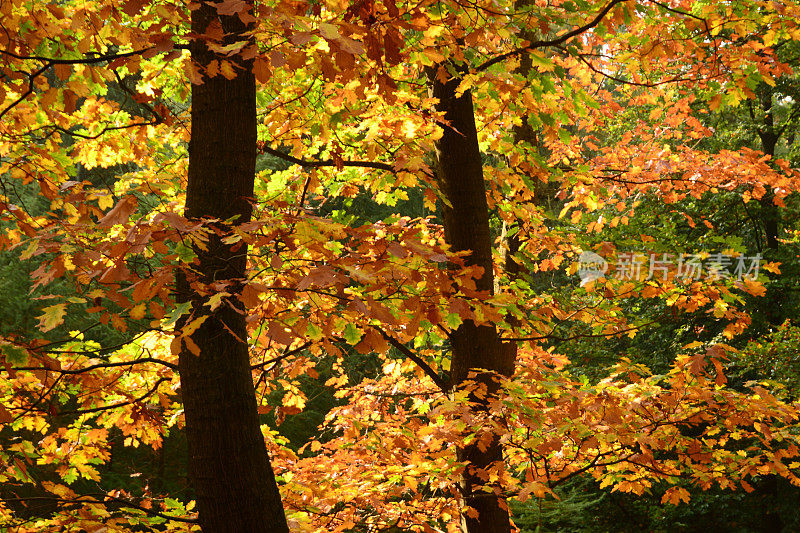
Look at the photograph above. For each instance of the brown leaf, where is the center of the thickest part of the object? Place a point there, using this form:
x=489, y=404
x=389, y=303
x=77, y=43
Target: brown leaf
x=120, y=213
x=5, y=415
x=231, y=7
x=70, y=101
x=132, y=7
x=393, y=43
x=277, y=332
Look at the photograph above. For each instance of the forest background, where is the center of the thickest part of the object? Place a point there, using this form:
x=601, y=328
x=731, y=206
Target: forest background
x=336, y=255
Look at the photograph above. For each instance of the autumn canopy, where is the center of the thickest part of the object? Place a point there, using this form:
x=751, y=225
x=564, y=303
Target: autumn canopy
x=376, y=265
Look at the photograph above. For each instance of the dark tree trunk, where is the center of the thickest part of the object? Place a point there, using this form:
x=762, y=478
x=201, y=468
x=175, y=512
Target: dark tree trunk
x=229, y=467
x=770, y=216
x=774, y=310
x=466, y=222
x=769, y=140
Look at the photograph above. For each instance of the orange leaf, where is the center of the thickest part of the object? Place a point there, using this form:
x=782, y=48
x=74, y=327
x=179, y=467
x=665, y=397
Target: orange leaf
x=675, y=495
x=192, y=346
x=261, y=70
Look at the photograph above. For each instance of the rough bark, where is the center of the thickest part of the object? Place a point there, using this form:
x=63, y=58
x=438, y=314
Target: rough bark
x=466, y=222
x=229, y=467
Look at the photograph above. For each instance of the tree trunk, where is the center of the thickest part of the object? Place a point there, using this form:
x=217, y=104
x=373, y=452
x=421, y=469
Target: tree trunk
x=466, y=222
x=774, y=310
x=769, y=140
x=229, y=467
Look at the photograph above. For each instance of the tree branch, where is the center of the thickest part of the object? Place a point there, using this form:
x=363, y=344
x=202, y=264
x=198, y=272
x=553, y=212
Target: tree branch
x=31, y=77
x=283, y=356
x=441, y=383
x=115, y=405
x=328, y=162
x=51, y=61
x=556, y=338
x=551, y=42
x=83, y=61
x=167, y=364
x=94, y=499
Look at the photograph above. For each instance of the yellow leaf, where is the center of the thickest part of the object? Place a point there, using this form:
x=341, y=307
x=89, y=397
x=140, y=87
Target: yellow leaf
x=754, y=287
x=137, y=313
x=192, y=326
x=433, y=55
x=216, y=300
x=329, y=31
x=53, y=316
x=105, y=202
x=410, y=482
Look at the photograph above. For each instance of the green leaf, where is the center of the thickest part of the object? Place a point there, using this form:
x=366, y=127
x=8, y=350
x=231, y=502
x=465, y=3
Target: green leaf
x=184, y=253
x=70, y=476
x=179, y=311
x=313, y=332
x=453, y=320
x=351, y=334
x=14, y=354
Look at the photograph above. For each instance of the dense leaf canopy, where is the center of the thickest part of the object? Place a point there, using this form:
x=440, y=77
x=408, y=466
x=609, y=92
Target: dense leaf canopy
x=652, y=133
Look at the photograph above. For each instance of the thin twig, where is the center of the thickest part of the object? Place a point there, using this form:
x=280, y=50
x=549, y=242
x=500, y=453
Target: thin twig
x=328, y=162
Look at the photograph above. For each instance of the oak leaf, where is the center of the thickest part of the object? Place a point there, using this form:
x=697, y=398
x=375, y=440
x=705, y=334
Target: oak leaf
x=52, y=317
x=120, y=213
